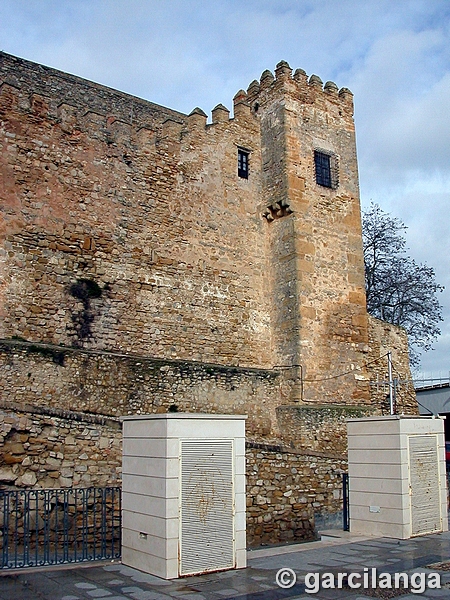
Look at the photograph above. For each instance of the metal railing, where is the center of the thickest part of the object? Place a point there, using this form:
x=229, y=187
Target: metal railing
x=345, y=503
x=56, y=526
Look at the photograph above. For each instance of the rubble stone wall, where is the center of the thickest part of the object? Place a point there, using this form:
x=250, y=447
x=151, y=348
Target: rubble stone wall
x=138, y=271
x=385, y=338
x=56, y=448
x=114, y=385
x=287, y=490
x=318, y=428
x=48, y=451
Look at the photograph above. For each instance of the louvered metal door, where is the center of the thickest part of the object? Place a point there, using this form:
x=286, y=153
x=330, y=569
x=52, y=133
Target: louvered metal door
x=206, y=506
x=424, y=484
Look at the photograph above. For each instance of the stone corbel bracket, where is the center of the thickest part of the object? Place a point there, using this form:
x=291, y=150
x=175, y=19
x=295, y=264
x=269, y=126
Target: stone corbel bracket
x=277, y=210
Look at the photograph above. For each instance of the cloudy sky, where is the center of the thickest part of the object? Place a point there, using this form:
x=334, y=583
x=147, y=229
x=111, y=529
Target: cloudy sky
x=393, y=54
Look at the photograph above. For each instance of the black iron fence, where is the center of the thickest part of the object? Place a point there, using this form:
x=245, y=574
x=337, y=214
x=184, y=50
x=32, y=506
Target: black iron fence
x=49, y=527
x=345, y=503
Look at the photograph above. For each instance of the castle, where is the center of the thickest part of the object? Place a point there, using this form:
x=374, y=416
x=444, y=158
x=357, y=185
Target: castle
x=151, y=260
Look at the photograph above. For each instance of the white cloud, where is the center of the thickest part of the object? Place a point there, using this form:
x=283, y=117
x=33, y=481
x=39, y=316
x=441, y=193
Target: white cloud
x=402, y=106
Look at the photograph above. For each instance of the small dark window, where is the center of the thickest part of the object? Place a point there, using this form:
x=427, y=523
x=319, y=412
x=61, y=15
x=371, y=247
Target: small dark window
x=243, y=164
x=322, y=162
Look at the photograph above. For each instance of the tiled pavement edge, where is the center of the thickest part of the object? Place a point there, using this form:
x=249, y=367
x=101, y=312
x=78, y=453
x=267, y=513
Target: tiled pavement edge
x=114, y=581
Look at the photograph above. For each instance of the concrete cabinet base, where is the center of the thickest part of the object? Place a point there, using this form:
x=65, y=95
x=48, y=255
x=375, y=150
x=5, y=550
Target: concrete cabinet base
x=183, y=493
x=397, y=476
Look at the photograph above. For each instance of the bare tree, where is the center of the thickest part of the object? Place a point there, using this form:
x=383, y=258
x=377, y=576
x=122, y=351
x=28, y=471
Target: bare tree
x=399, y=290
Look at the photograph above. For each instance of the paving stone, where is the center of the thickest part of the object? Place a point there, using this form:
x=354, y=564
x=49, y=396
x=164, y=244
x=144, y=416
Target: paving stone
x=257, y=582
x=99, y=593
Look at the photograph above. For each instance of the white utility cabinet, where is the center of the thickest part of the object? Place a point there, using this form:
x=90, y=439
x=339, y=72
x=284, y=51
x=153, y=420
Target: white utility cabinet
x=183, y=493
x=397, y=476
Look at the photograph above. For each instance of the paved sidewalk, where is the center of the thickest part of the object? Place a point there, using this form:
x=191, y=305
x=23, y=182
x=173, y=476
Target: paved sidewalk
x=114, y=581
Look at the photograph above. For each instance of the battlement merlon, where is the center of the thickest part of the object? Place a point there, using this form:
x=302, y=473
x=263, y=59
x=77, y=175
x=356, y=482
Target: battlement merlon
x=309, y=90
x=58, y=88
x=74, y=101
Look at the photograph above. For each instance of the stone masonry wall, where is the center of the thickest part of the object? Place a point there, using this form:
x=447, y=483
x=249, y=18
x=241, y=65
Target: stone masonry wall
x=385, y=337
x=111, y=384
x=47, y=451
x=318, y=428
x=139, y=271
x=287, y=489
x=127, y=229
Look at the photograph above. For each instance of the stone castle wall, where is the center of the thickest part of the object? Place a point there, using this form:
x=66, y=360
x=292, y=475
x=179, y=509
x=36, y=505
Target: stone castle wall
x=55, y=448
x=385, y=337
x=139, y=271
x=58, y=449
x=113, y=385
x=126, y=228
x=141, y=242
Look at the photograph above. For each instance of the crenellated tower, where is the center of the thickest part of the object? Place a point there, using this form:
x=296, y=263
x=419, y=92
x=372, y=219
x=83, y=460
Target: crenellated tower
x=310, y=202
x=152, y=260
x=233, y=243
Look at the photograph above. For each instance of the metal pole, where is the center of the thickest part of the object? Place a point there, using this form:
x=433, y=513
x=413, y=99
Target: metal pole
x=345, y=503
x=391, y=384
